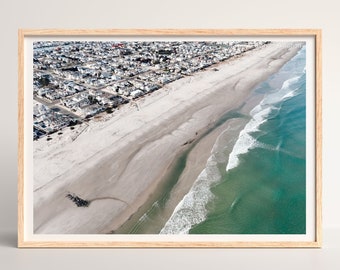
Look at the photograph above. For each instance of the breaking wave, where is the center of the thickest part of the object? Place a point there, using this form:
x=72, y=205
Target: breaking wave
x=192, y=209
x=270, y=104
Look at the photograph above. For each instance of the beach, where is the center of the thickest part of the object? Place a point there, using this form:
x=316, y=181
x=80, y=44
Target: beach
x=118, y=162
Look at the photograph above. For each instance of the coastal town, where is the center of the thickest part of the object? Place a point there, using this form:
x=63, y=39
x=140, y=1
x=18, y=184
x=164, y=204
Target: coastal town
x=74, y=81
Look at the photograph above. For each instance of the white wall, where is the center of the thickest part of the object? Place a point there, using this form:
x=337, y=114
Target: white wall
x=170, y=14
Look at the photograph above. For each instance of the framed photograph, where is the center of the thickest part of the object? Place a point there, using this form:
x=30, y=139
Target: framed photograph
x=169, y=138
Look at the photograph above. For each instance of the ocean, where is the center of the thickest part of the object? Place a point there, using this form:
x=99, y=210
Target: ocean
x=257, y=183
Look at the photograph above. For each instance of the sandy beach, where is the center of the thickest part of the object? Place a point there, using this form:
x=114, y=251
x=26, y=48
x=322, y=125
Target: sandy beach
x=118, y=161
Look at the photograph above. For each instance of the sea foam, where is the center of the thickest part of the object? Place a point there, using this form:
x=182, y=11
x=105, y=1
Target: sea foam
x=259, y=115
x=192, y=209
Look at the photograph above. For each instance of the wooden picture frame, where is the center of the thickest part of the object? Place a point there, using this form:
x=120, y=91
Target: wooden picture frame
x=26, y=235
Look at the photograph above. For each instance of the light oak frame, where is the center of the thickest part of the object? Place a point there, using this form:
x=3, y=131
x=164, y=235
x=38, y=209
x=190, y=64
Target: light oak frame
x=316, y=33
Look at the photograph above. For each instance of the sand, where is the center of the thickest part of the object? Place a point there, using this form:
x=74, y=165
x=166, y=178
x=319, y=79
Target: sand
x=118, y=162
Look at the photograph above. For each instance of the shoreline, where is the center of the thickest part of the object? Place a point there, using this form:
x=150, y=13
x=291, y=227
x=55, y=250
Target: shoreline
x=195, y=158
x=126, y=156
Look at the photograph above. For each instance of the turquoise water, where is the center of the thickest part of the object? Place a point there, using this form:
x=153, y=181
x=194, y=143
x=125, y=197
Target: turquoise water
x=260, y=187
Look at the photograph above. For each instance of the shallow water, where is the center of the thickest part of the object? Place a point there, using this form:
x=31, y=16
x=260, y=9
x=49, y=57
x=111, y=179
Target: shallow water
x=258, y=187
